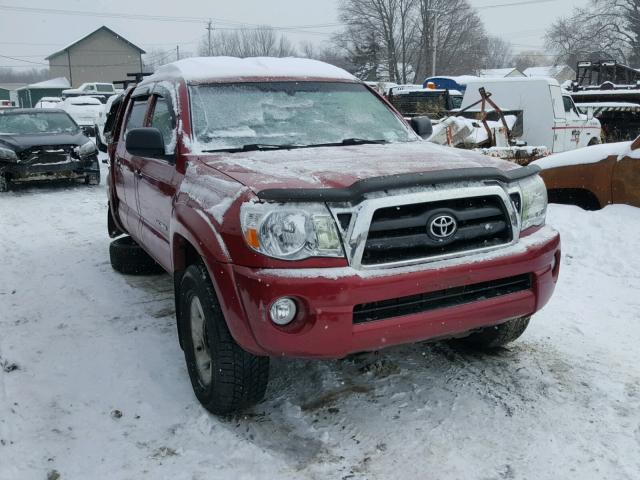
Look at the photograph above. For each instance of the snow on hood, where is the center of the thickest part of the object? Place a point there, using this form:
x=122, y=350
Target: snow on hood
x=339, y=167
x=585, y=156
x=207, y=68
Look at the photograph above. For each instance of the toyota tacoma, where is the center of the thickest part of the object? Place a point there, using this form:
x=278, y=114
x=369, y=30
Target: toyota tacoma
x=301, y=216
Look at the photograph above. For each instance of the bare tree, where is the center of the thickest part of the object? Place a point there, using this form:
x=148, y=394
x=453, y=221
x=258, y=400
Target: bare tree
x=530, y=58
x=249, y=42
x=399, y=35
x=600, y=31
x=499, y=53
x=460, y=38
x=30, y=75
x=623, y=17
x=384, y=29
x=156, y=57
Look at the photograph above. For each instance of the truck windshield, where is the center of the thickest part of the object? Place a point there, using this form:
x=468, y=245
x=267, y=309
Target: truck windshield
x=36, y=123
x=290, y=114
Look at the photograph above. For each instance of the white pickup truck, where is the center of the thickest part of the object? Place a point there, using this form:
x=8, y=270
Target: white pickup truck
x=546, y=115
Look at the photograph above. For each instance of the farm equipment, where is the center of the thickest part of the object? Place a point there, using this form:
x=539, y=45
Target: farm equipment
x=612, y=92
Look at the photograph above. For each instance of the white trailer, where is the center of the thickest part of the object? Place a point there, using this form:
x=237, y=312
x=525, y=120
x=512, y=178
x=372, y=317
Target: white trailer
x=547, y=115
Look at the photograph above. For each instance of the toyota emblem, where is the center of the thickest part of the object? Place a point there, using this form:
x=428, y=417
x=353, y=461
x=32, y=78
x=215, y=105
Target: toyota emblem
x=443, y=227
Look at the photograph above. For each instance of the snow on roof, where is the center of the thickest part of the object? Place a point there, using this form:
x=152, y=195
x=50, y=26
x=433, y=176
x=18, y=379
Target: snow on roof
x=207, y=68
x=607, y=105
x=83, y=100
x=529, y=80
x=595, y=93
x=460, y=79
x=584, y=156
x=60, y=82
x=500, y=72
x=11, y=86
x=550, y=71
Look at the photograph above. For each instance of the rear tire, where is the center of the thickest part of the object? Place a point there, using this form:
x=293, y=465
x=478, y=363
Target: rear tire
x=496, y=336
x=129, y=258
x=225, y=378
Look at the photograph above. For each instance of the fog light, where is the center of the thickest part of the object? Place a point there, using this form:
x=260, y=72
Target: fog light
x=283, y=311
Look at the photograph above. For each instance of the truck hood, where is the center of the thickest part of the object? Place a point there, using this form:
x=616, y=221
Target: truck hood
x=340, y=167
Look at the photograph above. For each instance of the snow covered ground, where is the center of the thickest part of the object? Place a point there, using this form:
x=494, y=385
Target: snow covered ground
x=93, y=383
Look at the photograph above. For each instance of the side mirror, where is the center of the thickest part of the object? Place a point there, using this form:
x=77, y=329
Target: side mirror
x=422, y=126
x=145, y=142
x=590, y=113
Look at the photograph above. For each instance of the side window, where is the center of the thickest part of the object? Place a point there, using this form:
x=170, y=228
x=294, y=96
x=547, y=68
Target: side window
x=136, y=115
x=163, y=120
x=569, y=106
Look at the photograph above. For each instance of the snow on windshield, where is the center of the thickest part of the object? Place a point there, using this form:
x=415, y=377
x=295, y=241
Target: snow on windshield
x=229, y=116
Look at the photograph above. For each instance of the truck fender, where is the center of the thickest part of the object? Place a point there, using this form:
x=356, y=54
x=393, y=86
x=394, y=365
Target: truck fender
x=186, y=249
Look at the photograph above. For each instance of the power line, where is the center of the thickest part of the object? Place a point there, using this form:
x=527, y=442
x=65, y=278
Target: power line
x=157, y=18
x=513, y=4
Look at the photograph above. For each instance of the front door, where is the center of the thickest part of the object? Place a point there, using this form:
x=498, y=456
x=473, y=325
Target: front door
x=157, y=179
x=560, y=120
x=125, y=166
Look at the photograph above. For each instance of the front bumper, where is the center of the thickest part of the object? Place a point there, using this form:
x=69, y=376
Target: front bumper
x=34, y=171
x=325, y=326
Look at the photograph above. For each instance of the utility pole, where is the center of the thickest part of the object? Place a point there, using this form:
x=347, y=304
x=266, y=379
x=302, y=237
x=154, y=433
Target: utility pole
x=435, y=43
x=177, y=52
x=209, y=29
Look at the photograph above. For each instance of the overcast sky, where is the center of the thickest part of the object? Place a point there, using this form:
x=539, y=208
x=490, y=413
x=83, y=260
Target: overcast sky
x=29, y=37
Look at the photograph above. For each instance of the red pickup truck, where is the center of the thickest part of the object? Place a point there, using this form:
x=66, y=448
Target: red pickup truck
x=301, y=216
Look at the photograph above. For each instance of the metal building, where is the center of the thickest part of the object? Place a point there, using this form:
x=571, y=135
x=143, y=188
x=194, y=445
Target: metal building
x=101, y=56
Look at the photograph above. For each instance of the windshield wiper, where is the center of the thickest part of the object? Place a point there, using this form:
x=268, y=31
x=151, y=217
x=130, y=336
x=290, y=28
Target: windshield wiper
x=351, y=141
x=251, y=147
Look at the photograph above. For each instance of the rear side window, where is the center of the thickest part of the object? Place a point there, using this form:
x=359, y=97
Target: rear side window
x=163, y=120
x=136, y=115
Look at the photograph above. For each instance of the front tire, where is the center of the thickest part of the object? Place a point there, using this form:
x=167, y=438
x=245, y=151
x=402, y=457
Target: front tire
x=4, y=184
x=496, y=336
x=225, y=378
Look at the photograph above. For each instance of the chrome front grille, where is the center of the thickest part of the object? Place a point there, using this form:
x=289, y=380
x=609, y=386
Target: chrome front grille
x=392, y=229
x=402, y=233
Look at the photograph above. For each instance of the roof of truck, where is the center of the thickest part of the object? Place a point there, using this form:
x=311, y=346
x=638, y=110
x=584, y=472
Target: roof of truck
x=200, y=69
x=523, y=80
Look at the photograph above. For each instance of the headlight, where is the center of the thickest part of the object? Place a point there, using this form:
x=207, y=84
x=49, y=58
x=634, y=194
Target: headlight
x=8, y=154
x=290, y=232
x=87, y=149
x=534, y=201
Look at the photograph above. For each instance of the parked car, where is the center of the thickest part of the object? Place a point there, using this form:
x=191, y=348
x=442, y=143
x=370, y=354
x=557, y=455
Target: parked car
x=101, y=91
x=49, y=102
x=44, y=144
x=300, y=215
x=594, y=177
x=106, y=119
x=85, y=111
x=546, y=115
x=6, y=104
